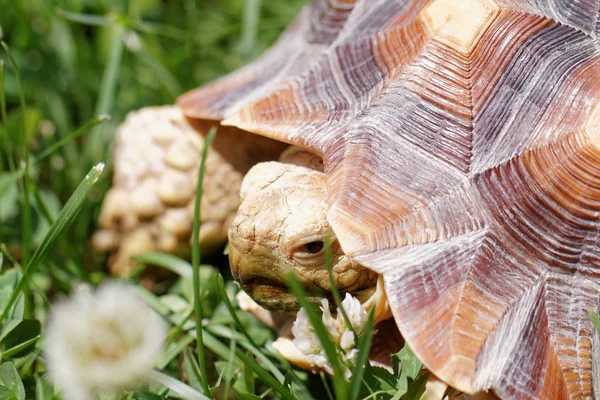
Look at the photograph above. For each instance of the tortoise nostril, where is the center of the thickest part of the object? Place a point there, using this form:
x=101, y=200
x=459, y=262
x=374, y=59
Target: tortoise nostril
x=314, y=247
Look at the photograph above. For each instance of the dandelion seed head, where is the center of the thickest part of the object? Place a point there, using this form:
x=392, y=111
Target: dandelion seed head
x=102, y=341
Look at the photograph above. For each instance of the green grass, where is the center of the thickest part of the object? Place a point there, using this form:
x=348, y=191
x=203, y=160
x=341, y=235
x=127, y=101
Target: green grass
x=65, y=67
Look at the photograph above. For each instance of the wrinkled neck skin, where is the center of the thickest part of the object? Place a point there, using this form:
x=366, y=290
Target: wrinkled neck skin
x=281, y=227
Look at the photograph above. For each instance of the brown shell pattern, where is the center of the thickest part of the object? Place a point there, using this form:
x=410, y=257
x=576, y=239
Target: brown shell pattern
x=461, y=140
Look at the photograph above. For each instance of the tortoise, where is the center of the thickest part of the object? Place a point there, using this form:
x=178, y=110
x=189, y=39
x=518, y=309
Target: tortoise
x=460, y=143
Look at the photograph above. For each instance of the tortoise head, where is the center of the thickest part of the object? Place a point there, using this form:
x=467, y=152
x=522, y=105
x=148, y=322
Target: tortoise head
x=282, y=227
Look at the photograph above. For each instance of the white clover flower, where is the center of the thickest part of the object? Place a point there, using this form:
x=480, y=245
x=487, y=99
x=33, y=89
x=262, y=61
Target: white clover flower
x=306, y=340
x=102, y=341
x=308, y=343
x=356, y=313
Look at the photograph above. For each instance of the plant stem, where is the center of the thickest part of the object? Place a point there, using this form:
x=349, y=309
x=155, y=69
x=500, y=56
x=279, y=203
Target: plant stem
x=196, y=263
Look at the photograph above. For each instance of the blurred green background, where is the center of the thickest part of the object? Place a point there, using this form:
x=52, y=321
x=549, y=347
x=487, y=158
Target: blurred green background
x=82, y=58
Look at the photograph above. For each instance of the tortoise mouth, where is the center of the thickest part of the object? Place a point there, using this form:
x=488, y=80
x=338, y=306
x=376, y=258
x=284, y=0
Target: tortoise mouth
x=276, y=296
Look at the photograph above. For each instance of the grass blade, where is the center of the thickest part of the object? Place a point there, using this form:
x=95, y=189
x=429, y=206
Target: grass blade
x=167, y=261
x=196, y=261
x=364, y=346
x=222, y=331
x=5, y=143
x=64, y=218
x=185, y=391
x=229, y=306
x=86, y=19
x=334, y=290
x=26, y=211
x=265, y=376
x=98, y=143
x=250, y=28
x=340, y=385
x=84, y=128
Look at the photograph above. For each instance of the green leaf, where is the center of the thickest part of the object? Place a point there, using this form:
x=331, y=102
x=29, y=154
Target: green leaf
x=416, y=388
x=144, y=395
x=411, y=365
x=297, y=386
x=191, y=368
x=9, y=194
x=8, y=283
x=176, y=386
x=21, y=337
x=10, y=380
x=86, y=19
x=43, y=389
x=173, y=350
x=51, y=204
x=166, y=261
x=225, y=297
x=243, y=359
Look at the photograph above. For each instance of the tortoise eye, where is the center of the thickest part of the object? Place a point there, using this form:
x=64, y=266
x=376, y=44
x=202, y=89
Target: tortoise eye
x=314, y=247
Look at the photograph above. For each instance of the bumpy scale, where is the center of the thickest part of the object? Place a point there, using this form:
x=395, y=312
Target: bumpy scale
x=461, y=145
x=150, y=206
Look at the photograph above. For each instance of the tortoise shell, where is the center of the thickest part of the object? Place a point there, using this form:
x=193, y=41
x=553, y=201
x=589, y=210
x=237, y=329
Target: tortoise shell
x=461, y=143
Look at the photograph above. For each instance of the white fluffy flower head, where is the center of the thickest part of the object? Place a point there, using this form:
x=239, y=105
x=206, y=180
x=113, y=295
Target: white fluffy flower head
x=102, y=341
x=307, y=341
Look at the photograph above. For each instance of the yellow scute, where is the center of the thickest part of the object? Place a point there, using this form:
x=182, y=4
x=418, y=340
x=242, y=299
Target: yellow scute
x=459, y=23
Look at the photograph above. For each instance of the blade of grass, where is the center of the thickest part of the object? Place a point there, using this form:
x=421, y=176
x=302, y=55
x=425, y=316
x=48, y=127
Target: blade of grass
x=173, y=351
x=26, y=224
x=229, y=369
x=241, y=358
x=339, y=383
x=334, y=290
x=26, y=210
x=266, y=377
x=162, y=74
x=98, y=142
x=4, y=252
x=166, y=261
x=155, y=28
x=86, y=19
x=364, y=346
x=223, y=331
x=250, y=22
x=217, y=347
x=5, y=140
x=191, y=367
x=236, y=320
x=84, y=128
x=178, y=329
x=64, y=218
x=21, y=346
x=196, y=261
x=185, y=391
x=326, y=385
